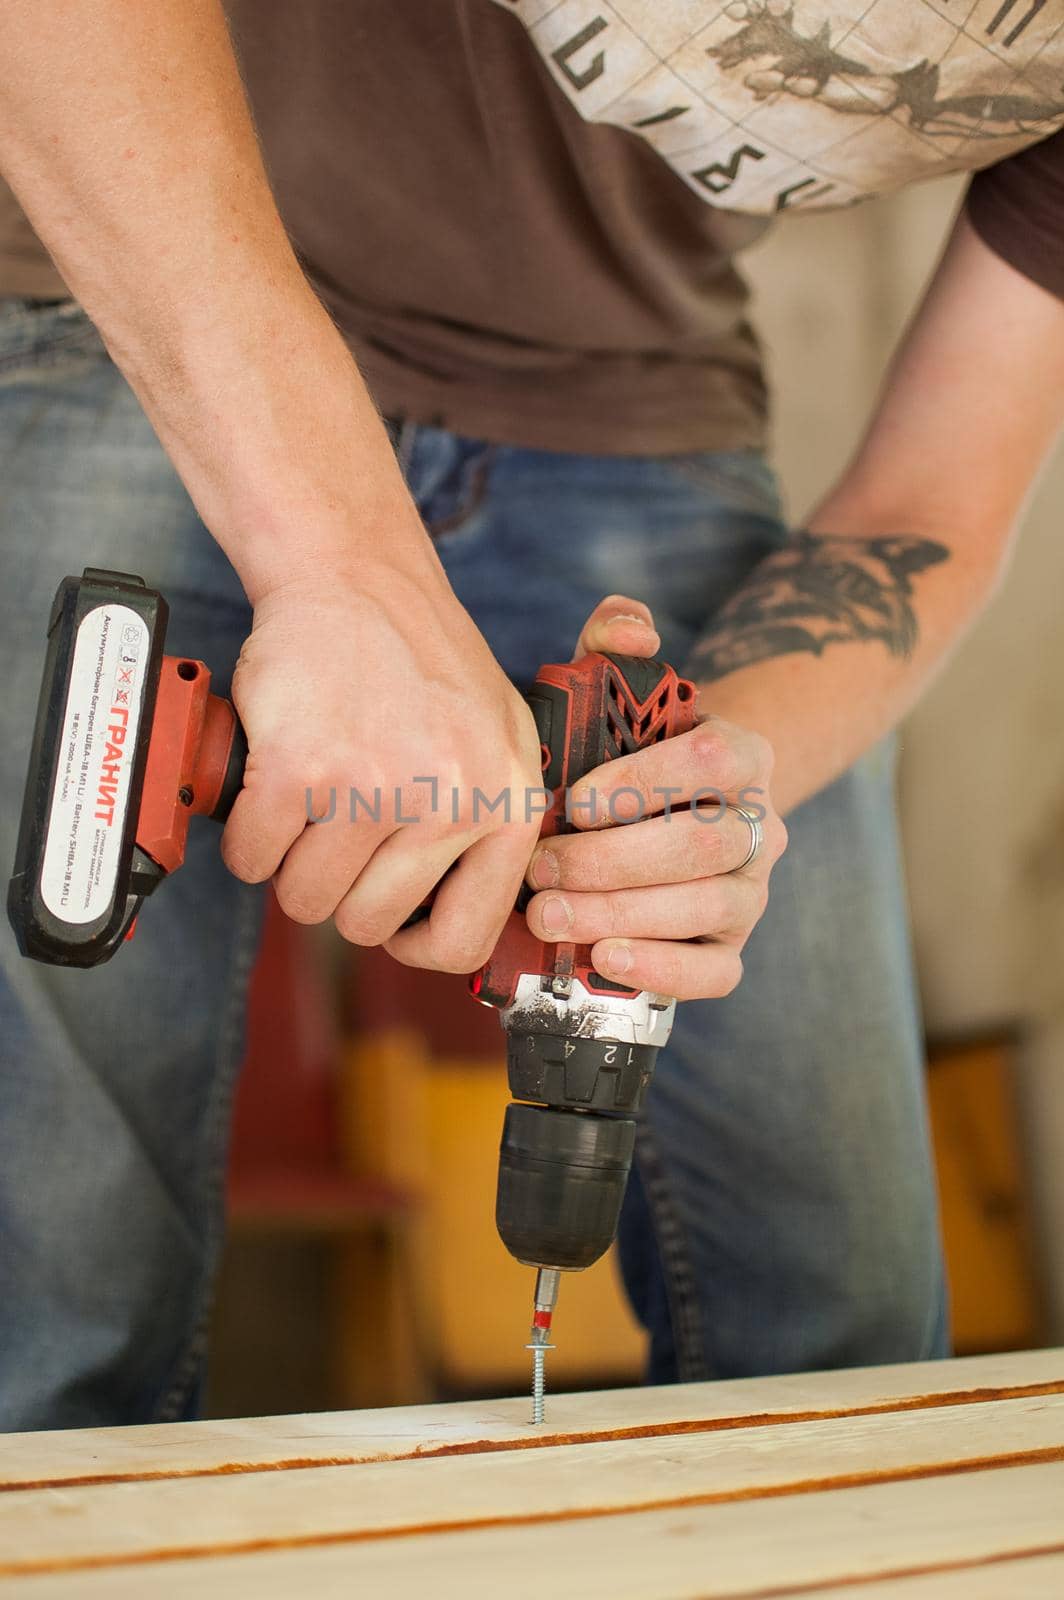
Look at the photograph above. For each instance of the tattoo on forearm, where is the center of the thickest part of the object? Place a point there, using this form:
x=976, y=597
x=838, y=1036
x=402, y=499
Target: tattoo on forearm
x=820, y=589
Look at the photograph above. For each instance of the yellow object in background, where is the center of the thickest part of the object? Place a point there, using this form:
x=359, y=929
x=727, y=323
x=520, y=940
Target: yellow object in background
x=432, y=1126
x=994, y=1296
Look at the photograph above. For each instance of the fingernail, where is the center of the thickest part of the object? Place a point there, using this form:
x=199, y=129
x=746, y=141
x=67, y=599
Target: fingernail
x=628, y=616
x=544, y=869
x=619, y=960
x=556, y=914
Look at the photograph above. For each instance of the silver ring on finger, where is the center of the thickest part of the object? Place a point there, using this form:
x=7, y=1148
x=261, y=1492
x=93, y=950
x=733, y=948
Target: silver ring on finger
x=757, y=835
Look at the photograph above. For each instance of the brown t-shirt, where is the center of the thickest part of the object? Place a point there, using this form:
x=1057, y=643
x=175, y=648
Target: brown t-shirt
x=523, y=214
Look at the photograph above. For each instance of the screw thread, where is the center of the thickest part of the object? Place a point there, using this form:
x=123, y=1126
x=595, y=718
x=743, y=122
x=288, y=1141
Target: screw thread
x=539, y=1357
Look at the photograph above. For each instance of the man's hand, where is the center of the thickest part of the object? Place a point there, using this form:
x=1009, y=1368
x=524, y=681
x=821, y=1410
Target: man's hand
x=370, y=701
x=659, y=899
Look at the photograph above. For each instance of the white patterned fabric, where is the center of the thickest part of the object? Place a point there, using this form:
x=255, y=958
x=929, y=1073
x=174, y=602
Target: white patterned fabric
x=762, y=105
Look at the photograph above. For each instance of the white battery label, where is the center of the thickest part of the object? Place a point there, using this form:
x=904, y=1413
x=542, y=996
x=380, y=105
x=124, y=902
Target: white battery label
x=97, y=743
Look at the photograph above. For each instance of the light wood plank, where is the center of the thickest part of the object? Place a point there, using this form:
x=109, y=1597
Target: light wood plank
x=349, y=1437
x=747, y=1551
x=1040, y=1578
x=152, y=1519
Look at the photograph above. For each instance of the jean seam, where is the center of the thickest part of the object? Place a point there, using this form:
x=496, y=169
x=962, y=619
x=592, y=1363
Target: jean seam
x=189, y=1362
x=677, y=1271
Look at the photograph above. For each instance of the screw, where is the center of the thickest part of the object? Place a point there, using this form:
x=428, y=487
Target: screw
x=539, y=1359
x=539, y=1347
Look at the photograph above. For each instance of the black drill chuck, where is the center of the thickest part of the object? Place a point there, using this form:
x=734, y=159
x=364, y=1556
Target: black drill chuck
x=562, y=1177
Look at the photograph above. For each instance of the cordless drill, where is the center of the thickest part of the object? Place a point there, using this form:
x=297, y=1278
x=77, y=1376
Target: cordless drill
x=130, y=743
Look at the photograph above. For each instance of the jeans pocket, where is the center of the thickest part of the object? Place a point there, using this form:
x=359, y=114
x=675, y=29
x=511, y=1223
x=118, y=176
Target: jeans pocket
x=38, y=333
x=453, y=492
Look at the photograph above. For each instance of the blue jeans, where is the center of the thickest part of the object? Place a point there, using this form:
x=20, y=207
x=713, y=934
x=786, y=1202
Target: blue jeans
x=783, y=1215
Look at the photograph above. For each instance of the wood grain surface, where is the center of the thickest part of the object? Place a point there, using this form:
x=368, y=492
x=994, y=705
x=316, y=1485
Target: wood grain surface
x=939, y=1480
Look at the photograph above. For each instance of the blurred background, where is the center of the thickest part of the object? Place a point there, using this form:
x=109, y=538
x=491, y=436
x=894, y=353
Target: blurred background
x=363, y=1166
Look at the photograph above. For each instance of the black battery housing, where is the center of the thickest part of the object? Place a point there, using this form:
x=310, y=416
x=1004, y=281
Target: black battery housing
x=40, y=933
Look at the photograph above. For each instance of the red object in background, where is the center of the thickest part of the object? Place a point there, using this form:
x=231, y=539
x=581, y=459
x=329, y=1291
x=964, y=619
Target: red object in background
x=285, y=1113
x=285, y=1164
x=382, y=994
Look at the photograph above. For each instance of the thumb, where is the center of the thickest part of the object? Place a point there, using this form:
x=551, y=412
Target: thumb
x=623, y=626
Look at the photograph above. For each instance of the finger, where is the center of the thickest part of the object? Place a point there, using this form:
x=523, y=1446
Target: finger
x=727, y=908
x=323, y=863
x=672, y=849
x=394, y=882
x=683, y=971
x=624, y=626
x=267, y=818
x=470, y=908
x=715, y=759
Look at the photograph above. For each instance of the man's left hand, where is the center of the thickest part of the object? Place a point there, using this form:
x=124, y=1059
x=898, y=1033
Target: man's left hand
x=653, y=879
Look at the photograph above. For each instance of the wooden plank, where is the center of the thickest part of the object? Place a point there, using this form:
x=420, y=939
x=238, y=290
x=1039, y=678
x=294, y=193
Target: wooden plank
x=1036, y=1578
x=752, y=1550
x=272, y=1443
x=150, y=1521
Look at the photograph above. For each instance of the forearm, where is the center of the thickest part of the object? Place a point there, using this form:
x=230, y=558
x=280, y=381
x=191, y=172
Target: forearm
x=832, y=640
x=126, y=135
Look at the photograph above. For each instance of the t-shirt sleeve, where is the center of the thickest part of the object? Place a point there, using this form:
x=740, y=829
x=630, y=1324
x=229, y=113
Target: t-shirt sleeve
x=1017, y=208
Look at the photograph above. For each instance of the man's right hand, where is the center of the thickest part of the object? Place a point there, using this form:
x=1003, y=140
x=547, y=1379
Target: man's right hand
x=380, y=683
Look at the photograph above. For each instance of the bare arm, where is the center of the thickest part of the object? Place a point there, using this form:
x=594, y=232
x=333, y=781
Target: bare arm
x=125, y=133
x=831, y=640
